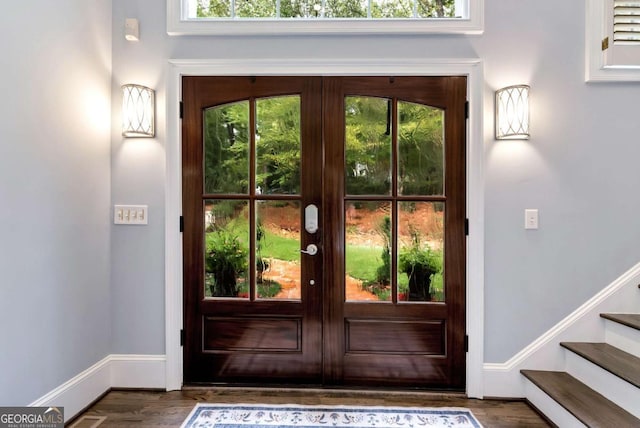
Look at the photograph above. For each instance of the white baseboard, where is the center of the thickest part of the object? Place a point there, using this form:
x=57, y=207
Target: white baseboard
x=113, y=371
x=138, y=371
x=545, y=353
x=79, y=391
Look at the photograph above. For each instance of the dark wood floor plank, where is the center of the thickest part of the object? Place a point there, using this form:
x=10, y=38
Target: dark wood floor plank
x=587, y=405
x=169, y=409
x=630, y=320
x=622, y=364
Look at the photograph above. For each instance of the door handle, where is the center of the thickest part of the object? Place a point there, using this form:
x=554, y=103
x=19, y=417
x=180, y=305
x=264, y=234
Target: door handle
x=312, y=250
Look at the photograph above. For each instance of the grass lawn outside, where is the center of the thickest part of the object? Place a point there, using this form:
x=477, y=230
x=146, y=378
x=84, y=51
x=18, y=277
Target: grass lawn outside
x=361, y=261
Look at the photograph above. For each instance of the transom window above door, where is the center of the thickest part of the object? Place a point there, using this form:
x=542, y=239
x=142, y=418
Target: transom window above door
x=264, y=17
x=327, y=9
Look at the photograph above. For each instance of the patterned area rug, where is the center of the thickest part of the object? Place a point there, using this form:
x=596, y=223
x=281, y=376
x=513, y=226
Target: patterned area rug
x=290, y=415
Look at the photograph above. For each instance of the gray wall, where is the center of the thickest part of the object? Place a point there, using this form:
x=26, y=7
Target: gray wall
x=137, y=177
x=579, y=168
x=55, y=305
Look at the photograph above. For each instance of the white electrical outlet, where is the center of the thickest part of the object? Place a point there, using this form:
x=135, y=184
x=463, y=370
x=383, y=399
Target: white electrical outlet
x=530, y=219
x=130, y=214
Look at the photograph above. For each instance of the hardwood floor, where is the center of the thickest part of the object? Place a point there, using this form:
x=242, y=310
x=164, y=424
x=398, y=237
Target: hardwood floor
x=169, y=409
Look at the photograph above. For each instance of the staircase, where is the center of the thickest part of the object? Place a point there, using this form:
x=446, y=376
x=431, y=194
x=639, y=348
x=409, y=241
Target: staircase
x=600, y=386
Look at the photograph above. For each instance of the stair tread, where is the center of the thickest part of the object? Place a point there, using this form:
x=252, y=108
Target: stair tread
x=622, y=364
x=588, y=406
x=630, y=320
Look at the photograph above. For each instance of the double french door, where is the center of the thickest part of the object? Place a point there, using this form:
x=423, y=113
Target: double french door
x=324, y=237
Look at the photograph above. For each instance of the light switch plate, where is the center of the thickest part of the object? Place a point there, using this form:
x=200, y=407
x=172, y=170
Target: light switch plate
x=530, y=219
x=130, y=214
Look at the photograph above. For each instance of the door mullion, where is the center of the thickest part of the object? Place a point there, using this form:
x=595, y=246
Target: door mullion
x=333, y=201
x=311, y=167
x=394, y=202
x=252, y=202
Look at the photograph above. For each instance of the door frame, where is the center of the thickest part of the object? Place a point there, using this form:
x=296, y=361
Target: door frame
x=472, y=68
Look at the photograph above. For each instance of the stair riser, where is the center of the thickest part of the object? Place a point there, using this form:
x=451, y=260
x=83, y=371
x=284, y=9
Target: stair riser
x=622, y=337
x=550, y=408
x=615, y=389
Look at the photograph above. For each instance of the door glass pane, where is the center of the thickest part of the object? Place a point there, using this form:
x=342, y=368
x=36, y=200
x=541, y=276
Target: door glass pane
x=421, y=251
x=226, y=255
x=420, y=150
x=226, y=148
x=368, y=146
x=278, y=249
x=278, y=145
x=367, y=251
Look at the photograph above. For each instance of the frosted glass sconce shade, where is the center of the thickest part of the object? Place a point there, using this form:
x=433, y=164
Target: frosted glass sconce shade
x=512, y=113
x=138, y=106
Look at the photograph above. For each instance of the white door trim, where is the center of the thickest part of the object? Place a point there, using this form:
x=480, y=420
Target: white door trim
x=472, y=68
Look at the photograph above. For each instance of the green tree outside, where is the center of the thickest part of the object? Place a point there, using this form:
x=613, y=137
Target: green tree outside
x=380, y=9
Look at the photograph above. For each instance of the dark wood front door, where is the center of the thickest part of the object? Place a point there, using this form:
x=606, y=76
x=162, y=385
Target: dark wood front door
x=365, y=175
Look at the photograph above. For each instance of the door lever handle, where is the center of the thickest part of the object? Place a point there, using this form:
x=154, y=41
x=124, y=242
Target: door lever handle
x=312, y=250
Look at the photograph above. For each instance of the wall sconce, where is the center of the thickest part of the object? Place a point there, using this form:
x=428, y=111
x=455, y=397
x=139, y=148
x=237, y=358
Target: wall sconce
x=138, y=106
x=512, y=113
